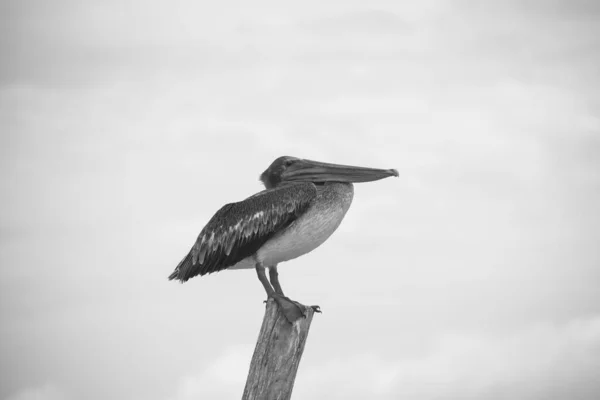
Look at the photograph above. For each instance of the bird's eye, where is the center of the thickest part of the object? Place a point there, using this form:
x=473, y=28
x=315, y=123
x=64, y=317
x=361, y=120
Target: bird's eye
x=288, y=163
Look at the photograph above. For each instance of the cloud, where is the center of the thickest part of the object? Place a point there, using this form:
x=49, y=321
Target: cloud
x=543, y=361
x=223, y=379
x=127, y=124
x=46, y=392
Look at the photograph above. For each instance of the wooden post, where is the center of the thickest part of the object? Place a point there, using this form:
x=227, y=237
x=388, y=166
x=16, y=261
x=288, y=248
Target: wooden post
x=276, y=356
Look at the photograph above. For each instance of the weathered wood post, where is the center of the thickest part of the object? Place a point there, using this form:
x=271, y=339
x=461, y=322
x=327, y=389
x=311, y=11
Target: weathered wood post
x=277, y=355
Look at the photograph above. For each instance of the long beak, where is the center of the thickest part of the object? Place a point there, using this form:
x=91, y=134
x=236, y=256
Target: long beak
x=315, y=171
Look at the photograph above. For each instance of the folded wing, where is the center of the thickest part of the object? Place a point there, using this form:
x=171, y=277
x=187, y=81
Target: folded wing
x=238, y=230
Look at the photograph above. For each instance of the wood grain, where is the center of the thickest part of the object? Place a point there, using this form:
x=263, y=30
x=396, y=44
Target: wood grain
x=277, y=355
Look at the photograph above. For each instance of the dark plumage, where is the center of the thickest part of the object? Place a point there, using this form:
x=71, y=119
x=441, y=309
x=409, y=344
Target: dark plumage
x=238, y=230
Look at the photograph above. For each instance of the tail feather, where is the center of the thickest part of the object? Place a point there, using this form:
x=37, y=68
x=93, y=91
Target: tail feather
x=182, y=271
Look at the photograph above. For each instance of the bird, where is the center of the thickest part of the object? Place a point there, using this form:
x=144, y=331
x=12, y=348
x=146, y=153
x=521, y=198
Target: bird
x=303, y=203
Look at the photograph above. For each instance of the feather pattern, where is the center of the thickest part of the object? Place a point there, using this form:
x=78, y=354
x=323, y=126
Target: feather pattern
x=238, y=230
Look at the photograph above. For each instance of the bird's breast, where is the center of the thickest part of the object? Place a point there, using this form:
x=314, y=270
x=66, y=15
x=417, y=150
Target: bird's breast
x=312, y=228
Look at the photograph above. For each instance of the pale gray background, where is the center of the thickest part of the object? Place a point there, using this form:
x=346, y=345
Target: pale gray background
x=126, y=125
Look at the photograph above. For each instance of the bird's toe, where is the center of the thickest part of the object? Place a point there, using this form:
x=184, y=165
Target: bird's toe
x=292, y=310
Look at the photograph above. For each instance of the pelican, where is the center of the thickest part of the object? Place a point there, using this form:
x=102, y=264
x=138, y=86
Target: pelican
x=303, y=203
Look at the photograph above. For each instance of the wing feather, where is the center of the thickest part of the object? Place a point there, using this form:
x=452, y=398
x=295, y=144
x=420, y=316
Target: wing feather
x=239, y=229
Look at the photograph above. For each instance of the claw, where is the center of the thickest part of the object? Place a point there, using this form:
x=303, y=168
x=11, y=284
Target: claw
x=292, y=310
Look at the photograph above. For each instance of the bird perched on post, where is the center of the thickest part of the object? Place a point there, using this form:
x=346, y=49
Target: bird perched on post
x=303, y=204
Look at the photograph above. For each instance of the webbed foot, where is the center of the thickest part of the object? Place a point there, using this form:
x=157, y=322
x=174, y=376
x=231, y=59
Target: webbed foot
x=292, y=309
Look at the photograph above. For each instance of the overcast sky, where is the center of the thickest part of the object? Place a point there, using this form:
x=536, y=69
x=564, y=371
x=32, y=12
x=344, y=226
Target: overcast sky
x=124, y=125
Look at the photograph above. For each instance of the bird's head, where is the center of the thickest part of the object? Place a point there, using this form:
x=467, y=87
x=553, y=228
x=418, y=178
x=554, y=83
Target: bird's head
x=292, y=169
